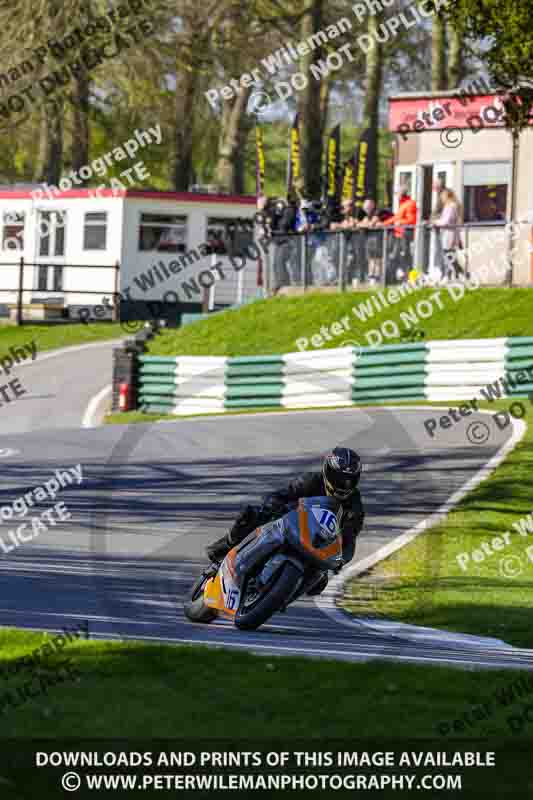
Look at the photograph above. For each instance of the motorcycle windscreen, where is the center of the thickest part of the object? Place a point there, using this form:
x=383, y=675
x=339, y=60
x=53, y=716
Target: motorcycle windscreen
x=315, y=526
x=222, y=592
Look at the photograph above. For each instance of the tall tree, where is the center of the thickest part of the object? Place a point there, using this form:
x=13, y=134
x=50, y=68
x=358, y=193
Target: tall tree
x=79, y=97
x=373, y=85
x=438, y=55
x=503, y=31
x=239, y=182
x=311, y=101
x=197, y=43
x=53, y=149
x=456, y=60
x=186, y=98
x=80, y=135
x=230, y=151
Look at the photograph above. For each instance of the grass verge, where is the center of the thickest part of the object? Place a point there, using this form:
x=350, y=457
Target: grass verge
x=135, y=689
x=135, y=417
x=274, y=326
x=130, y=697
x=425, y=584
x=52, y=337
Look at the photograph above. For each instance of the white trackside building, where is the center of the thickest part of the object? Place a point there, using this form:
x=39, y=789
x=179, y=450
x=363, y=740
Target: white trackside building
x=79, y=249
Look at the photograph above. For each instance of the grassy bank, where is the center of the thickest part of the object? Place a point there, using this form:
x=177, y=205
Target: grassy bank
x=275, y=325
x=52, y=337
x=137, y=690
x=425, y=584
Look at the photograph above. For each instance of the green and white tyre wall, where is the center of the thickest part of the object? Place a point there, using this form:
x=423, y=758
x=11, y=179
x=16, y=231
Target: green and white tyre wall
x=439, y=371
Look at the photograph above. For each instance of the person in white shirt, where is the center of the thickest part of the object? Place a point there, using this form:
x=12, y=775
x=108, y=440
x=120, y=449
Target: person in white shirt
x=449, y=222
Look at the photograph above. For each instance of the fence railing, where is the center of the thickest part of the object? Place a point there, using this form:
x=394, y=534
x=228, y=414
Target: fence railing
x=48, y=283
x=385, y=255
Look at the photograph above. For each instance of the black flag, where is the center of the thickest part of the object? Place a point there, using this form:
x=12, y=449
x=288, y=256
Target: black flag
x=365, y=182
x=333, y=165
x=294, y=163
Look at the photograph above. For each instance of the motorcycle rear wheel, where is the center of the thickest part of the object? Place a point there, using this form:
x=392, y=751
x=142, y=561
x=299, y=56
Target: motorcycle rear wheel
x=270, y=601
x=195, y=609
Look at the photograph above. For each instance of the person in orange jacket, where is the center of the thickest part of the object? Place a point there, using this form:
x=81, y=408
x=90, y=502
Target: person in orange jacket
x=406, y=214
x=401, y=256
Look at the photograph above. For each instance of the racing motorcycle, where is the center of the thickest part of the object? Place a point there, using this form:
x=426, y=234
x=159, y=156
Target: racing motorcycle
x=272, y=567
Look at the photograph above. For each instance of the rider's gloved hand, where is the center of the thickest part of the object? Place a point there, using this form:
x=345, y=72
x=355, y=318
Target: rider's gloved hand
x=273, y=508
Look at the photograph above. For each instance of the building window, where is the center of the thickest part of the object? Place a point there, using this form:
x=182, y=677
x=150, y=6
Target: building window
x=486, y=187
x=13, y=231
x=405, y=182
x=228, y=236
x=95, y=231
x=52, y=226
x=163, y=233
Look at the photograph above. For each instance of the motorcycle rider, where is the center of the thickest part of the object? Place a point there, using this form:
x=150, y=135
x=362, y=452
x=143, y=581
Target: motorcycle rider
x=339, y=479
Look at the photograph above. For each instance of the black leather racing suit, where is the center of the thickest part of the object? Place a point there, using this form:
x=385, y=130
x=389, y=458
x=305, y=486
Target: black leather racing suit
x=310, y=484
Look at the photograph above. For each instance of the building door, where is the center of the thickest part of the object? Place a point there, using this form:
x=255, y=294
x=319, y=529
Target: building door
x=424, y=206
x=50, y=257
x=401, y=250
x=427, y=246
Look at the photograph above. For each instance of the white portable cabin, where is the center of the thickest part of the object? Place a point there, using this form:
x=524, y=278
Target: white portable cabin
x=72, y=242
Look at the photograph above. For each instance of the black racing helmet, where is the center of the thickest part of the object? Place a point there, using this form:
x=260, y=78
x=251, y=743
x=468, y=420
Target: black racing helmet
x=341, y=470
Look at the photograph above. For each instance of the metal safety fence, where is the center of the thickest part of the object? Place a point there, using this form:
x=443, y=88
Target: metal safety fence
x=386, y=256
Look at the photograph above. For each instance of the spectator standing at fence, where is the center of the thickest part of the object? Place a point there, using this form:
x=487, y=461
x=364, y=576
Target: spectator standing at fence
x=307, y=222
x=347, y=224
x=371, y=241
x=347, y=221
x=448, y=222
x=366, y=213
x=438, y=187
x=435, y=268
x=401, y=256
x=359, y=261
x=406, y=214
x=283, y=224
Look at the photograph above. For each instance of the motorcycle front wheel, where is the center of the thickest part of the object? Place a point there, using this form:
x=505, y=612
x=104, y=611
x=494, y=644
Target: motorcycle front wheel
x=195, y=609
x=256, y=608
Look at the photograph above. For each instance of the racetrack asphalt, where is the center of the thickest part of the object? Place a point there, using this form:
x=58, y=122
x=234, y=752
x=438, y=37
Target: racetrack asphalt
x=58, y=387
x=154, y=495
